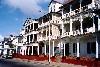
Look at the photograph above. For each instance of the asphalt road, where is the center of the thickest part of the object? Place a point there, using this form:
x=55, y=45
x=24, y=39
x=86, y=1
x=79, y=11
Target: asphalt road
x=12, y=63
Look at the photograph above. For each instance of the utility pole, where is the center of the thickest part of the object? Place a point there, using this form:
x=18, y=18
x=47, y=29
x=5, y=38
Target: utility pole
x=49, y=39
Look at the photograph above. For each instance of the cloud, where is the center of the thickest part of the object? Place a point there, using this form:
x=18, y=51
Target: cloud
x=16, y=19
x=28, y=7
x=63, y=1
x=1, y=37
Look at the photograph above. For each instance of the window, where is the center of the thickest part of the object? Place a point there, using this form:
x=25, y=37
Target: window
x=35, y=37
x=87, y=22
x=51, y=9
x=74, y=47
x=31, y=26
x=88, y=48
x=60, y=31
x=35, y=26
x=54, y=8
x=28, y=39
x=91, y=47
x=96, y=22
x=28, y=27
x=47, y=48
x=31, y=37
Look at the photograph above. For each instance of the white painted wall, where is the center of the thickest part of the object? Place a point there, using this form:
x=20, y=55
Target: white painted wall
x=54, y=6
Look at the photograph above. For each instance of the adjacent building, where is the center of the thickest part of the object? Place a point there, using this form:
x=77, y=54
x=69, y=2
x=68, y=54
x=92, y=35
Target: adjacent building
x=7, y=47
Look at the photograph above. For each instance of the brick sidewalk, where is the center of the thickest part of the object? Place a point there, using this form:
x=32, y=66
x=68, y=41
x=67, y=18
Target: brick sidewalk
x=46, y=64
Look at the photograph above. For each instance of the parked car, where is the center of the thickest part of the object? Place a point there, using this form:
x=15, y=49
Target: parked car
x=7, y=56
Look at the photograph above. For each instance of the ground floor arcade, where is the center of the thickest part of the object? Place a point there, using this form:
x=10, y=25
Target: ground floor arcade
x=79, y=46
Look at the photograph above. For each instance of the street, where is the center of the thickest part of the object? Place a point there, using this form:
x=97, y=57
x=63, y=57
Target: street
x=12, y=63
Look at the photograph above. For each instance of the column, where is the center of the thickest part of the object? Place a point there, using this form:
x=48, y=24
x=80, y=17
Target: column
x=70, y=21
x=38, y=49
x=78, y=48
x=70, y=25
x=45, y=48
x=60, y=47
x=49, y=43
x=42, y=30
x=62, y=23
x=46, y=33
x=64, y=49
x=16, y=49
x=62, y=28
x=81, y=24
x=53, y=47
x=62, y=14
x=33, y=26
x=32, y=51
x=97, y=54
x=29, y=38
x=93, y=3
x=81, y=19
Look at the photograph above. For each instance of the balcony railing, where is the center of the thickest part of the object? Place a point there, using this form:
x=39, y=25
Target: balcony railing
x=45, y=38
x=44, y=24
x=77, y=32
x=65, y=34
x=54, y=37
x=76, y=12
x=90, y=30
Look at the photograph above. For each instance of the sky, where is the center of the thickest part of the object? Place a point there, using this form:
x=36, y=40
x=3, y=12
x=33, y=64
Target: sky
x=14, y=12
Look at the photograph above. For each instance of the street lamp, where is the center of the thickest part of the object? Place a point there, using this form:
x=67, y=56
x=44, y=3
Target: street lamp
x=49, y=39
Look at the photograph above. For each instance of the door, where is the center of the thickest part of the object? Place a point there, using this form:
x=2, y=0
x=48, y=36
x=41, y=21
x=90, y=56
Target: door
x=67, y=49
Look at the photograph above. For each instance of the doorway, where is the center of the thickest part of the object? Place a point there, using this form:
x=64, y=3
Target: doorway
x=67, y=49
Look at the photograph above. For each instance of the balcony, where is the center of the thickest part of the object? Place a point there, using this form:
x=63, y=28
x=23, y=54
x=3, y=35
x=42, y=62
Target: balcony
x=84, y=9
x=90, y=30
x=39, y=38
x=65, y=34
x=88, y=24
x=53, y=37
x=44, y=24
x=45, y=38
x=77, y=32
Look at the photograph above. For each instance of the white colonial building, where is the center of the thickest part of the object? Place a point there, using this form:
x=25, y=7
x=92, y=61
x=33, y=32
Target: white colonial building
x=71, y=28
